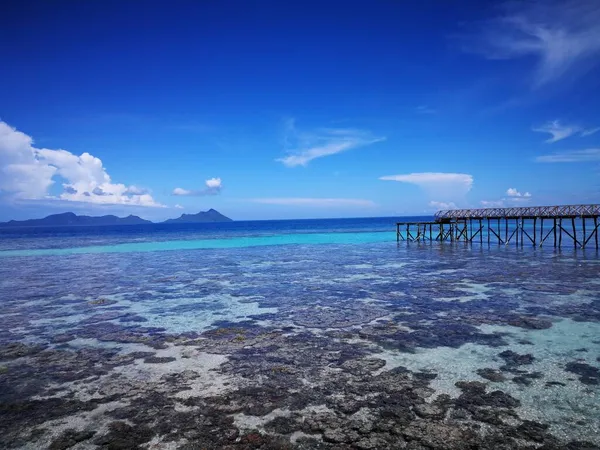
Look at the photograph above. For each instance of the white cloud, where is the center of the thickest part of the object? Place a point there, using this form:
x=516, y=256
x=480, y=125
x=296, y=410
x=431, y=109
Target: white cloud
x=29, y=172
x=316, y=202
x=442, y=205
x=512, y=192
x=178, y=206
x=589, y=154
x=444, y=187
x=181, y=191
x=213, y=183
x=303, y=147
x=213, y=187
x=560, y=35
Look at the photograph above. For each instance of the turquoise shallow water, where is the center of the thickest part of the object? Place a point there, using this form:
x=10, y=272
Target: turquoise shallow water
x=234, y=242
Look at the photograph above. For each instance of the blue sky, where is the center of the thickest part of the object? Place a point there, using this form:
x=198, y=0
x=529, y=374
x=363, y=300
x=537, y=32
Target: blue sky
x=270, y=109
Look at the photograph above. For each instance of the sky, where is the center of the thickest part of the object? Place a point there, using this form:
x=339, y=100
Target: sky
x=297, y=109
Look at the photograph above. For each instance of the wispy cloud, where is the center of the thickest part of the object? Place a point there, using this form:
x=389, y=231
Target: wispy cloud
x=513, y=198
x=505, y=202
x=303, y=147
x=557, y=130
x=512, y=192
x=560, y=35
x=427, y=178
x=316, y=202
x=442, y=205
x=590, y=131
x=586, y=155
x=213, y=187
x=493, y=203
x=424, y=109
x=560, y=131
x=27, y=173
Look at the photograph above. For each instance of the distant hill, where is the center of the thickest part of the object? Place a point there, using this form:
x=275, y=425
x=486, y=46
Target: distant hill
x=71, y=219
x=203, y=216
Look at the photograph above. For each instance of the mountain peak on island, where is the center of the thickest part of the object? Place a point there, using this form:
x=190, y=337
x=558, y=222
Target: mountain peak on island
x=212, y=215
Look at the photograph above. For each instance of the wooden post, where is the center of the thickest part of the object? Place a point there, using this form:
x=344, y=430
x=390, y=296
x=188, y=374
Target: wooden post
x=596, y=231
x=480, y=232
x=554, y=233
x=583, y=224
x=407, y=232
x=522, y=222
x=574, y=232
x=470, y=232
x=534, y=230
x=505, y=231
x=517, y=231
x=499, y=231
x=541, y=231
x=488, y=231
x=397, y=232
x=559, y=232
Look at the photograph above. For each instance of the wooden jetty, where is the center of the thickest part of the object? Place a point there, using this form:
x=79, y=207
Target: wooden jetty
x=538, y=224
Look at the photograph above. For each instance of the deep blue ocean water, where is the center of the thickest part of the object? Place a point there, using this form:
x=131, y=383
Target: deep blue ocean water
x=72, y=237
x=450, y=310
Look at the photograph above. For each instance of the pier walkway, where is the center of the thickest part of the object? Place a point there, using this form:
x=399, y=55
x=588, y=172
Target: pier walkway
x=577, y=224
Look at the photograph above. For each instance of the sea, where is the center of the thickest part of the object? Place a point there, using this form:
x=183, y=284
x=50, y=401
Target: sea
x=325, y=334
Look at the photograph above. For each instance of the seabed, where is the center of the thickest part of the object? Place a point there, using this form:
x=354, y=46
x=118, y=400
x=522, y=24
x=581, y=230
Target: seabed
x=366, y=346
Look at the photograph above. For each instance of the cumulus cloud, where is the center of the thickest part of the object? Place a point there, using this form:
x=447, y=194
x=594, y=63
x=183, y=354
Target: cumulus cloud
x=442, y=205
x=136, y=190
x=317, y=202
x=303, y=147
x=213, y=183
x=512, y=192
x=213, y=187
x=559, y=35
x=444, y=187
x=586, y=155
x=29, y=172
x=178, y=206
x=559, y=131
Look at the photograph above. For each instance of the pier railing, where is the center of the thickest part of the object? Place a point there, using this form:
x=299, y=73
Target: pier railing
x=577, y=224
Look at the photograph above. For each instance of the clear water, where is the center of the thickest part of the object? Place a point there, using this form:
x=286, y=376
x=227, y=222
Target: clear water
x=443, y=309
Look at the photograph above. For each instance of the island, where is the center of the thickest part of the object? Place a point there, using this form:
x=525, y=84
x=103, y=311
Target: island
x=72, y=219
x=211, y=215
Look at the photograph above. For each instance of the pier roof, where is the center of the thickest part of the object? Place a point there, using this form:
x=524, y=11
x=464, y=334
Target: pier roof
x=552, y=212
